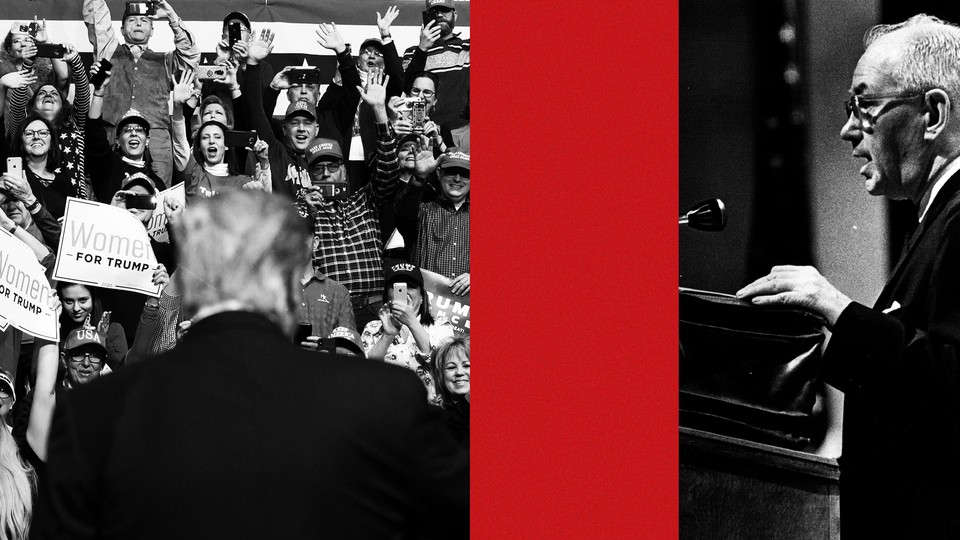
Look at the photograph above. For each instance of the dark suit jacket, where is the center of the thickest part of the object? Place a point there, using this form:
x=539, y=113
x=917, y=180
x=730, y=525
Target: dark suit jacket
x=236, y=433
x=900, y=374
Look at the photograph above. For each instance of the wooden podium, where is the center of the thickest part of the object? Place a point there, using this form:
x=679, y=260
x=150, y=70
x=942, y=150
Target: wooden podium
x=736, y=489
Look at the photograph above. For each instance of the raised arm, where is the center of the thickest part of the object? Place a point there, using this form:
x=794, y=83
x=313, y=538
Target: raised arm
x=96, y=16
x=391, y=60
x=259, y=48
x=383, y=185
x=46, y=355
x=186, y=55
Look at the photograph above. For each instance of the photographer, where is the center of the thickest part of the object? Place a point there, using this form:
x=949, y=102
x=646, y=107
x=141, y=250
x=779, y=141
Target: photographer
x=347, y=240
x=21, y=68
x=35, y=226
x=135, y=65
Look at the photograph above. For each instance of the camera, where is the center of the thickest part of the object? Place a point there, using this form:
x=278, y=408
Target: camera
x=242, y=139
x=142, y=201
x=336, y=191
x=51, y=50
x=142, y=8
x=301, y=76
x=211, y=73
x=233, y=33
x=418, y=113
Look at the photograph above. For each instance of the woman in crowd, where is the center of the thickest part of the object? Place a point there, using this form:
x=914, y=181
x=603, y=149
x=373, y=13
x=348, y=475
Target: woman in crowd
x=17, y=486
x=208, y=170
x=49, y=182
x=82, y=307
x=406, y=333
x=451, y=371
x=20, y=68
x=67, y=120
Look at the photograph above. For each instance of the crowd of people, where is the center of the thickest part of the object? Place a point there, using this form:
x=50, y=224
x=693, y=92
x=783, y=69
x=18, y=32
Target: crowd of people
x=382, y=152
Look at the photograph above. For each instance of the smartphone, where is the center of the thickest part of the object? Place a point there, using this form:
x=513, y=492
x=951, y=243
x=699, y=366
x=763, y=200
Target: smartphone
x=418, y=113
x=336, y=191
x=51, y=50
x=400, y=293
x=142, y=201
x=427, y=17
x=15, y=166
x=211, y=72
x=241, y=139
x=300, y=76
x=98, y=79
x=303, y=332
x=141, y=8
x=233, y=33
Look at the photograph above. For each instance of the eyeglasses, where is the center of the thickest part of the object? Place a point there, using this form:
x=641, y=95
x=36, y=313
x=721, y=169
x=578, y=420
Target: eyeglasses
x=331, y=167
x=372, y=52
x=417, y=91
x=31, y=133
x=88, y=356
x=5, y=394
x=133, y=129
x=856, y=104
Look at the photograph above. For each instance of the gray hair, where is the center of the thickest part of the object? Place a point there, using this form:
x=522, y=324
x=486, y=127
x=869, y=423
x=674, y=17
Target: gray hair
x=242, y=247
x=928, y=55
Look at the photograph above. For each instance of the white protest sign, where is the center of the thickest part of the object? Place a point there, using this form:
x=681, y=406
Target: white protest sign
x=105, y=246
x=444, y=302
x=157, y=226
x=24, y=290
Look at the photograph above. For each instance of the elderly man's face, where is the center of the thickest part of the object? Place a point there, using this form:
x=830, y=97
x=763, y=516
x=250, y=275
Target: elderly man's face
x=890, y=133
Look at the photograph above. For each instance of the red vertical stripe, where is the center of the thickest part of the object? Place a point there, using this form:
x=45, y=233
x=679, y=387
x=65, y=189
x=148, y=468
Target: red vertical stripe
x=575, y=270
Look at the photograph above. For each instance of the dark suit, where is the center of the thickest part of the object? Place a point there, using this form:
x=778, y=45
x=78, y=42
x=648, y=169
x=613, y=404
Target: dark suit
x=236, y=433
x=900, y=374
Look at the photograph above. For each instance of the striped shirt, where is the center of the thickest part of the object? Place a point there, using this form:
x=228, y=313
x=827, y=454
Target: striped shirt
x=347, y=243
x=442, y=241
x=71, y=138
x=450, y=61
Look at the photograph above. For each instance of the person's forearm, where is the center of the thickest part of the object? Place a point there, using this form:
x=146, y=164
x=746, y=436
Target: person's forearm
x=46, y=355
x=379, y=349
x=393, y=66
x=187, y=55
x=258, y=119
x=96, y=16
x=38, y=248
x=50, y=228
x=181, y=146
x=18, y=108
x=81, y=99
x=384, y=183
x=421, y=337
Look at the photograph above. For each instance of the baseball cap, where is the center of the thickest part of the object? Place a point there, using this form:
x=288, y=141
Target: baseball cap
x=371, y=41
x=240, y=16
x=301, y=108
x=133, y=116
x=454, y=157
x=7, y=380
x=20, y=27
x=409, y=137
x=323, y=148
x=348, y=338
x=85, y=336
x=402, y=271
x=440, y=3
x=140, y=179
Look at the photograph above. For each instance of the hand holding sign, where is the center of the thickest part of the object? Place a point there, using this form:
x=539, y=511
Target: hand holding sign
x=461, y=285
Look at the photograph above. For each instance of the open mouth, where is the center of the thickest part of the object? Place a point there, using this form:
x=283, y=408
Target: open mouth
x=212, y=151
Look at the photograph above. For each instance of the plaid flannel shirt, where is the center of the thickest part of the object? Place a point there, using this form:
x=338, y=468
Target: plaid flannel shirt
x=347, y=243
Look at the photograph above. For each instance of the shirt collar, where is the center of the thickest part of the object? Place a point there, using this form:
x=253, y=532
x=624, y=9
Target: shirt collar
x=942, y=176
x=317, y=274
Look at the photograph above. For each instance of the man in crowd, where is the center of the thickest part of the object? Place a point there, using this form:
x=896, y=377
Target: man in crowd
x=347, y=240
x=439, y=229
x=896, y=364
x=442, y=52
x=221, y=436
x=142, y=78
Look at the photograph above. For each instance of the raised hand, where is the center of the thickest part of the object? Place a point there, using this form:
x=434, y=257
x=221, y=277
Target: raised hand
x=18, y=187
x=71, y=53
x=383, y=23
x=172, y=209
x=164, y=11
x=424, y=162
x=94, y=69
x=260, y=46
x=329, y=37
x=429, y=34
x=183, y=90
x=280, y=80
x=374, y=92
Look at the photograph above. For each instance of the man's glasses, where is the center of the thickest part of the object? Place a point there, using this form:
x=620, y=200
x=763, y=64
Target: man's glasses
x=332, y=167
x=88, y=356
x=31, y=133
x=372, y=52
x=417, y=91
x=856, y=105
x=133, y=129
x=5, y=394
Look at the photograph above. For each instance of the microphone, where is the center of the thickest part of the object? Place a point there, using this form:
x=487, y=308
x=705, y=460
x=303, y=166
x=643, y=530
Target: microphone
x=710, y=215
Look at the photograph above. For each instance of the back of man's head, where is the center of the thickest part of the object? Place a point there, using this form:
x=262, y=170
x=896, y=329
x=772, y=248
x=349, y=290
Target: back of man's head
x=242, y=248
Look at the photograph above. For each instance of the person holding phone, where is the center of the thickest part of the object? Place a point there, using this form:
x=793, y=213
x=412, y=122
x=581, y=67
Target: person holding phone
x=136, y=66
x=406, y=332
x=20, y=67
x=66, y=118
x=45, y=179
x=207, y=172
